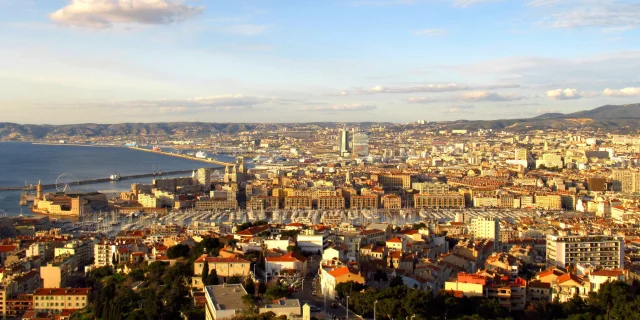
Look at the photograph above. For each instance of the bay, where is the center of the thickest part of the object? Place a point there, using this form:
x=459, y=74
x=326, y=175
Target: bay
x=30, y=163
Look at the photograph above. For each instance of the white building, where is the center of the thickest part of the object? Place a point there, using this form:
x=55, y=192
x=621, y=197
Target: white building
x=486, y=228
x=312, y=242
x=224, y=301
x=597, y=250
x=276, y=266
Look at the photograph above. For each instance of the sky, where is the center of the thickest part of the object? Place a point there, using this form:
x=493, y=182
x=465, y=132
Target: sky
x=114, y=61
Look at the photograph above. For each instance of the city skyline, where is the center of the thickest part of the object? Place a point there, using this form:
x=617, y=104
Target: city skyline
x=110, y=61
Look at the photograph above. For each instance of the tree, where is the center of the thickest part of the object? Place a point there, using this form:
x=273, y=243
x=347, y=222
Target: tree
x=290, y=233
x=205, y=273
x=396, y=281
x=262, y=287
x=348, y=288
x=178, y=251
x=418, y=226
x=250, y=301
x=380, y=275
x=277, y=291
x=235, y=279
x=294, y=249
x=250, y=286
x=212, y=279
x=136, y=275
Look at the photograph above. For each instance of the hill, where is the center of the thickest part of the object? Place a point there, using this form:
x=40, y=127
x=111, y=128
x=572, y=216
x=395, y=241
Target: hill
x=620, y=118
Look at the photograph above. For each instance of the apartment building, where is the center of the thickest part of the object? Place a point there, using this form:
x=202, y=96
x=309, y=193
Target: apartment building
x=396, y=181
x=430, y=187
x=258, y=203
x=549, y=201
x=597, y=250
x=224, y=301
x=225, y=267
x=436, y=201
x=364, y=202
x=391, y=201
x=625, y=180
x=330, y=278
x=330, y=203
x=55, y=300
x=510, y=294
x=298, y=202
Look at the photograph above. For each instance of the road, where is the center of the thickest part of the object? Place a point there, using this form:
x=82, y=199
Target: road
x=305, y=296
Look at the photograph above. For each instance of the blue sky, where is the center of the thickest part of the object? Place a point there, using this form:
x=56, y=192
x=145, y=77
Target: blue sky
x=109, y=61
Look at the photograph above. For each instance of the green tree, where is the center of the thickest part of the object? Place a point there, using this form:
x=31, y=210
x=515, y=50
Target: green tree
x=262, y=287
x=205, y=272
x=250, y=286
x=294, y=249
x=235, y=279
x=136, y=275
x=277, y=291
x=178, y=251
x=396, y=281
x=212, y=279
x=345, y=289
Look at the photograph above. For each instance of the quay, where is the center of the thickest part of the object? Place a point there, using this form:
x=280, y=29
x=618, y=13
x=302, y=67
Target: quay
x=208, y=160
x=101, y=180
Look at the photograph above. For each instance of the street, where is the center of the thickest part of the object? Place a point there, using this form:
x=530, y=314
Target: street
x=305, y=296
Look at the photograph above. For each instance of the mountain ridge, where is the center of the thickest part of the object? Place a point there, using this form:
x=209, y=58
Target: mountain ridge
x=610, y=117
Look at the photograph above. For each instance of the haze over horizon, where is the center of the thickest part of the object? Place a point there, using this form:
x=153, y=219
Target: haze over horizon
x=115, y=61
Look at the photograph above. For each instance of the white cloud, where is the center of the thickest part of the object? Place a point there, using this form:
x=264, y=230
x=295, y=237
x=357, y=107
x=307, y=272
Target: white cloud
x=625, y=92
x=342, y=107
x=460, y=109
x=437, y=87
x=421, y=100
x=468, y=3
x=564, y=94
x=490, y=96
x=542, y=3
x=105, y=13
x=413, y=89
x=430, y=32
x=610, y=14
x=192, y=105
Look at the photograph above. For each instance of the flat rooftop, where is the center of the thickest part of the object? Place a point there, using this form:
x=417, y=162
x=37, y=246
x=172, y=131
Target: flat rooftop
x=227, y=296
x=285, y=303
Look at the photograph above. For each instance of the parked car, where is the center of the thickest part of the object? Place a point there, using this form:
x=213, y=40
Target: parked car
x=315, y=309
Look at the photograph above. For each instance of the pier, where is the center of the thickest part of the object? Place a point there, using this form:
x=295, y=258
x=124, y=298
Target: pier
x=102, y=180
x=208, y=160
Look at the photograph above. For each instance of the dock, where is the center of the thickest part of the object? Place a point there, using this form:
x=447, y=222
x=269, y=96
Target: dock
x=207, y=160
x=102, y=180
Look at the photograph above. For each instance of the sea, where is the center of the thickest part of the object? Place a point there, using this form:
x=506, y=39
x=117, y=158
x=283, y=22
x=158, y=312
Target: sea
x=26, y=163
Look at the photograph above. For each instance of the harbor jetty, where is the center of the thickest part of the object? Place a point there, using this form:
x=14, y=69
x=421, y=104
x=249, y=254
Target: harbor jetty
x=107, y=179
x=207, y=160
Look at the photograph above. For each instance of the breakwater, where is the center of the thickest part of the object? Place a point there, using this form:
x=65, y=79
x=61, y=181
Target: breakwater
x=207, y=160
x=101, y=180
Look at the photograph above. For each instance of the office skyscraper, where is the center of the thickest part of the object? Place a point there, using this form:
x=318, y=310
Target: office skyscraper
x=361, y=144
x=344, y=142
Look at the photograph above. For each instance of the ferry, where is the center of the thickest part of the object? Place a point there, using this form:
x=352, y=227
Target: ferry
x=156, y=148
x=114, y=177
x=201, y=155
